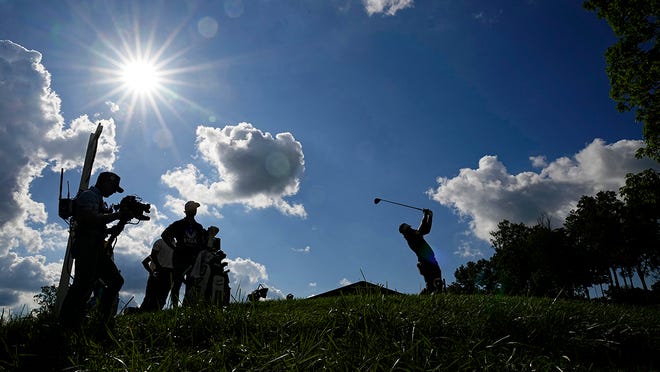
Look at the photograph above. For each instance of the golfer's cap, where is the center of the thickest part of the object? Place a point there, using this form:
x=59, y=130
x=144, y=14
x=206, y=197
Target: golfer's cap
x=191, y=206
x=111, y=178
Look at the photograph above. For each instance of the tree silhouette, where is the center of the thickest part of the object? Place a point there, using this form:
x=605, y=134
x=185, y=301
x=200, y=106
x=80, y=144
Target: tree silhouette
x=633, y=63
x=474, y=278
x=641, y=194
x=512, y=258
x=596, y=227
x=606, y=237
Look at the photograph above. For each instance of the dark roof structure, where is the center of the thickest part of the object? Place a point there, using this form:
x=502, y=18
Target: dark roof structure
x=361, y=287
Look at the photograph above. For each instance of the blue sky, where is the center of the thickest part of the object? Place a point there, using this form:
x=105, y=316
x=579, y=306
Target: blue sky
x=285, y=119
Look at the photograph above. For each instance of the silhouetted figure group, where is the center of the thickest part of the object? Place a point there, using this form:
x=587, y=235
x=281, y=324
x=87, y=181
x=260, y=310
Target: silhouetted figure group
x=185, y=253
x=426, y=262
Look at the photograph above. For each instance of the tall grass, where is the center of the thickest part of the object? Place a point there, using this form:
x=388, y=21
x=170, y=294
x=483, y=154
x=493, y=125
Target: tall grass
x=362, y=332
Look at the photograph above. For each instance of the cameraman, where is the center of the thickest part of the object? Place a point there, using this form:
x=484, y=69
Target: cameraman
x=88, y=249
x=186, y=237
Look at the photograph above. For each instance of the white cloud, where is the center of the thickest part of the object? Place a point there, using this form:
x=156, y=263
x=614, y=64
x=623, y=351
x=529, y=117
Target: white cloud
x=307, y=249
x=112, y=106
x=254, y=169
x=489, y=194
x=34, y=138
x=389, y=7
x=344, y=282
x=22, y=277
x=246, y=274
x=312, y=284
x=467, y=250
x=538, y=161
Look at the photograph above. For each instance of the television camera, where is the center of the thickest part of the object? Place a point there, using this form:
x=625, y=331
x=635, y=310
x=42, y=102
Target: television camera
x=134, y=207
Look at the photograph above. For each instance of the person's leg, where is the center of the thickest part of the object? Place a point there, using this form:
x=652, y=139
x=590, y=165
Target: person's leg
x=432, y=277
x=75, y=303
x=113, y=282
x=176, y=288
x=150, y=294
x=435, y=277
x=162, y=287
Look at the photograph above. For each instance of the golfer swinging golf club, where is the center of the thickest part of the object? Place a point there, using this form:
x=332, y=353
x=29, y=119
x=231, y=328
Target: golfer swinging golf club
x=427, y=264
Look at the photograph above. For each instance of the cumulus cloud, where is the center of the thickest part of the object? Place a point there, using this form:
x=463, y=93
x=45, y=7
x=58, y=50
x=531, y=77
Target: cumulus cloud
x=389, y=7
x=254, y=168
x=34, y=139
x=246, y=274
x=489, y=194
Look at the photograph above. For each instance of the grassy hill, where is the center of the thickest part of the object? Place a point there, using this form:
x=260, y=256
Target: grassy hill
x=360, y=332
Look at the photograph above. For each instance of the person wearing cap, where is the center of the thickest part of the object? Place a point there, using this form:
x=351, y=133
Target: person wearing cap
x=186, y=237
x=426, y=262
x=92, y=263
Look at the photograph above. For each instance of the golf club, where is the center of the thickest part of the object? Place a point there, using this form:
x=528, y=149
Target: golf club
x=378, y=200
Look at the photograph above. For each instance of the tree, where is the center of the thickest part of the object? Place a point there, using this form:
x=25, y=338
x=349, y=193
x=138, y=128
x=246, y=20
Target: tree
x=474, y=278
x=633, y=63
x=512, y=258
x=46, y=300
x=641, y=194
x=595, y=227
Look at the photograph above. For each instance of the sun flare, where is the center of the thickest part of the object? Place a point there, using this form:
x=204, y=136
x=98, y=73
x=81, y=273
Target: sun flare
x=140, y=77
x=145, y=77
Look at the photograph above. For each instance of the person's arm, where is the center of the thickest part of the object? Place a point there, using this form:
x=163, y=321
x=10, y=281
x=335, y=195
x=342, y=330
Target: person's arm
x=155, y=251
x=168, y=236
x=427, y=221
x=88, y=211
x=145, y=263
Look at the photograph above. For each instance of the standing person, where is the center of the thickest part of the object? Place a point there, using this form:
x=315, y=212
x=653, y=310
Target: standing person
x=160, y=268
x=426, y=262
x=208, y=280
x=186, y=237
x=92, y=261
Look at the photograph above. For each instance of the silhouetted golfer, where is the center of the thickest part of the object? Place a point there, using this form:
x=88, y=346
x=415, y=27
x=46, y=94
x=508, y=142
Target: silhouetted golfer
x=426, y=264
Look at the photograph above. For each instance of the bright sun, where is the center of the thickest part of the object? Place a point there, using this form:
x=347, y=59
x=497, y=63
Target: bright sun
x=141, y=77
x=141, y=74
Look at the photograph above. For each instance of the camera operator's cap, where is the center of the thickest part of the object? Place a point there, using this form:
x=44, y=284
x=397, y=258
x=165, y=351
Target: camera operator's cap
x=111, y=178
x=191, y=206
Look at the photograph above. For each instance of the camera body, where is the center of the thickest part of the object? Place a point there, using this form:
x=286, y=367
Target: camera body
x=135, y=207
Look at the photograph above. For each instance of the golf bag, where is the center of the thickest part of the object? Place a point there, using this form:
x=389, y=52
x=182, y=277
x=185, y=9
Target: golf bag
x=208, y=280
